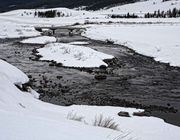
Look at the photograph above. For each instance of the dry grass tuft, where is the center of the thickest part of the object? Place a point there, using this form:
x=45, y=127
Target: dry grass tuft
x=74, y=116
x=105, y=122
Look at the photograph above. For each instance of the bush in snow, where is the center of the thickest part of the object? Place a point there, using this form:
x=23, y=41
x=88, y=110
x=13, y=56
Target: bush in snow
x=109, y=41
x=105, y=122
x=74, y=116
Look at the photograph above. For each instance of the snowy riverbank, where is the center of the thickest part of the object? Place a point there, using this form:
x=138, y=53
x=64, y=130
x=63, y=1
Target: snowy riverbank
x=158, y=41
x=24, y=117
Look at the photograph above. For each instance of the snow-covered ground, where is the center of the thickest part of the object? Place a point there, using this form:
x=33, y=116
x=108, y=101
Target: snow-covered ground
x=39, y=40
x=25, y=117
x=20, y=23
x=70, y=17
x=12, y=73
x=159, y=41
x=73, y=55
x=79, y=43
x=144, y=6
x=9, y=29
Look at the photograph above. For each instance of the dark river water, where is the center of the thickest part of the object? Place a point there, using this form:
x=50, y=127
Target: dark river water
x=133, y=80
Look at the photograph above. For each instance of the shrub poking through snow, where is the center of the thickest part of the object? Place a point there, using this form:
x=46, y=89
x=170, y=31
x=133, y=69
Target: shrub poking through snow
x=109, y=41
x=74, y=116
x=105, y=122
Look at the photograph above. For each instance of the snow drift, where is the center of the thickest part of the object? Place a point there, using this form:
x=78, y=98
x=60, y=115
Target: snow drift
x=159, y=41
x=73, y=55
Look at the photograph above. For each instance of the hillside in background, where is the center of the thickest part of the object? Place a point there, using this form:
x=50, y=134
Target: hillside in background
x=91, y=4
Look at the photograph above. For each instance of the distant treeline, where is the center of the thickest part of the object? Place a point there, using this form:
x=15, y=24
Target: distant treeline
x=128, y=15
x=161, y=14
x=157, y=14
x=50, y=14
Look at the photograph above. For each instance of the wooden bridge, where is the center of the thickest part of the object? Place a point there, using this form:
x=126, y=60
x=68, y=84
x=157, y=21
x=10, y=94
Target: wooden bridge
x=54, y=28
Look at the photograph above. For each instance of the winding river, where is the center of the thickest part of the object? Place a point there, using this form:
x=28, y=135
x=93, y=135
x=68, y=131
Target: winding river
x=133, y=80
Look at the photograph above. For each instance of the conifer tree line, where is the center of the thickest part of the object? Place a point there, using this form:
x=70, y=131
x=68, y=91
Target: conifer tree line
x=161, y=14
x=128, y=15
x=171, y=13
x=50, y=14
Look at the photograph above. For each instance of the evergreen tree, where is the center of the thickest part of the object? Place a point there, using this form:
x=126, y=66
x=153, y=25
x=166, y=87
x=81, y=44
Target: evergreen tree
x=174, y=12
x=35, y=14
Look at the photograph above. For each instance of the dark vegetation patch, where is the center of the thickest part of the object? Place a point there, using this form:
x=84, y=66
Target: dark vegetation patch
x=174, y=13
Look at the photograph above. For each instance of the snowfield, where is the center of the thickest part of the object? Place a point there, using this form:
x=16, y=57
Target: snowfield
x=79, y=43
x=10, y=29
x=159, y=41
x=73, y=55
x=39, y=40
x=144, y=6
x=20, y=23
x=26, y=16
x=12, y=73
x=25, y=117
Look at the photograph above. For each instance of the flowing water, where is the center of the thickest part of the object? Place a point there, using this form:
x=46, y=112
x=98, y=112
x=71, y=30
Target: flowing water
x=133, y=80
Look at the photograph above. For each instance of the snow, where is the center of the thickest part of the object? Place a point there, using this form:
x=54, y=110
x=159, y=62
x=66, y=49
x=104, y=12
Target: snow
x=30, y=12
x=142, y=7
x=26, y=16
x=25, y=117
x=13, y=74
x=73, y=55
x=79, y=43
x=39, y=40
x=138, y=127
x=14, y=30
x=160, y=41
x=20, y=23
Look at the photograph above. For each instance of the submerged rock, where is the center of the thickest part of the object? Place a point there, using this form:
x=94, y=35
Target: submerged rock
x=100, y=77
